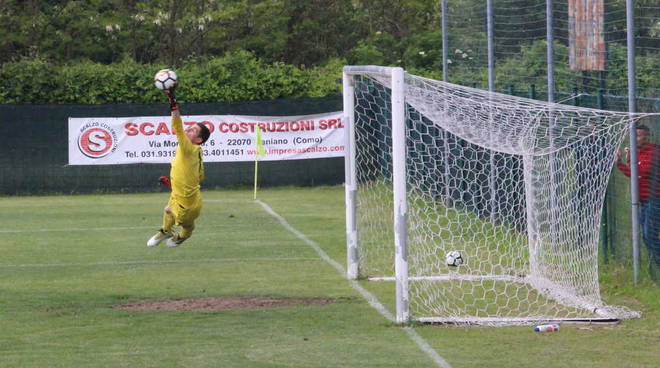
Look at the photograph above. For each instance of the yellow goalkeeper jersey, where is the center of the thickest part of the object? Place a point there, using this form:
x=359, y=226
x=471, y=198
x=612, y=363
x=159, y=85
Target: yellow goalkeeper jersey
x=187, y=167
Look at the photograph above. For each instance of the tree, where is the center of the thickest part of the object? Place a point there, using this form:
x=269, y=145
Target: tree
x=318, y=30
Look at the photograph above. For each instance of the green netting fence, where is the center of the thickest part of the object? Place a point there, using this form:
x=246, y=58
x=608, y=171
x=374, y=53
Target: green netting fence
x=34, y=153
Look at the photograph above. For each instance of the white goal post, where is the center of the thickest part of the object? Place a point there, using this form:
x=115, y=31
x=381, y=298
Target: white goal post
x=515, y=185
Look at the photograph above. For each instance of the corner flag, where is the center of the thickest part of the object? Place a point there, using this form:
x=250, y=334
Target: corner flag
x=259, y=151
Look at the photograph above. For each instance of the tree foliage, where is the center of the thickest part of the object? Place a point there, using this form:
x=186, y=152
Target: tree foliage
x=296, y=32
x=257, y=45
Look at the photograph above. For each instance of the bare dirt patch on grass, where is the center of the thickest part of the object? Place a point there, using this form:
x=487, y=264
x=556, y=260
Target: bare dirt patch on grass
x=220, y=304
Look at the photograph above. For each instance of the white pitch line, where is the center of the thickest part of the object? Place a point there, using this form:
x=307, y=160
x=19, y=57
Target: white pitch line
x=146, y=262
x=373, y=301
x=77, y=229
x=2, y=231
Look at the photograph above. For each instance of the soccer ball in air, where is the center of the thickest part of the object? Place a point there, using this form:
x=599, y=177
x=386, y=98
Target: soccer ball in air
x=454, y=258
x=166, y=79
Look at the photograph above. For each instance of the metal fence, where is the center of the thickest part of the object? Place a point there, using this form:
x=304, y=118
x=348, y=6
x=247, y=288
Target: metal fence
x=521, y=47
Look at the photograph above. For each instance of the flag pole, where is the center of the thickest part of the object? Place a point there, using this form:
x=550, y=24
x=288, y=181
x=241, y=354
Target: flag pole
x=258, y=151
x=256, y=170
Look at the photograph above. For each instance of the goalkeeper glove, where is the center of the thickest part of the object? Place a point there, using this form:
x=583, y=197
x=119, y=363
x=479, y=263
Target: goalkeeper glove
x=171, y=99
x=165, y=181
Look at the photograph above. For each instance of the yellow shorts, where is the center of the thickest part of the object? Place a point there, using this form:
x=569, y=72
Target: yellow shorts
x=185, y=215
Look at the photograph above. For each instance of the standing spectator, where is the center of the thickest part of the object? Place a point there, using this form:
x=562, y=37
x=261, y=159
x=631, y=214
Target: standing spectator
x=649, y=193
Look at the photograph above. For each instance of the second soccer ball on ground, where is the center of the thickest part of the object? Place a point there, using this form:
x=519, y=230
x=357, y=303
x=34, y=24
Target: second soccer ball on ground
x=454, y=258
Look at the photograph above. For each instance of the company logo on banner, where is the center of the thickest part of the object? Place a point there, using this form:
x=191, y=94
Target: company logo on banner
x=151, y=139
x=97, y=140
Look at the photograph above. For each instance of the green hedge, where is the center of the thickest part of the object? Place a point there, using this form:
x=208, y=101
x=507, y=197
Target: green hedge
x=237, y=76
x=241, y=76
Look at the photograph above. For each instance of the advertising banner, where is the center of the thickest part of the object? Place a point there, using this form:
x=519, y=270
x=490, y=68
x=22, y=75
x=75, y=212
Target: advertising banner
x=586, y=35
x=150, y=139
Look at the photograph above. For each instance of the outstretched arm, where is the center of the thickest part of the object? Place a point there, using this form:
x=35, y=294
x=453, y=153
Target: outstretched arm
x=177, y=124
x=174, y=106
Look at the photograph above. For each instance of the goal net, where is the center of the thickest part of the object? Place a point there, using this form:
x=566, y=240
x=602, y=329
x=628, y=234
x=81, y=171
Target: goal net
x=515, y=185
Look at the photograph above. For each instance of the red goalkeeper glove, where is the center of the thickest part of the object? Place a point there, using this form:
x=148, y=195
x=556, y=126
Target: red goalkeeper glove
x=165, y=181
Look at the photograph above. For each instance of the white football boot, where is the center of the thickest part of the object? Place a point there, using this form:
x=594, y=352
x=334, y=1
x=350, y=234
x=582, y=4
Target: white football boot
x=158, y=238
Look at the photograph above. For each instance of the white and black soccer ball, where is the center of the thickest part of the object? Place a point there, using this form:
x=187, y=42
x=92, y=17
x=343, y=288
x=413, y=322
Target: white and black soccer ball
x=454, y=258
x=166, y=79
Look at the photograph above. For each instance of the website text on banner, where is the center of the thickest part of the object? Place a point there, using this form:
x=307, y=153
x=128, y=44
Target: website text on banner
x=150, y=139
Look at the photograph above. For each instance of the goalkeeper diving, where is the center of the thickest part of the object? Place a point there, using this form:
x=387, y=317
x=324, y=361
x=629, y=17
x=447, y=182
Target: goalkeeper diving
x=187, y=171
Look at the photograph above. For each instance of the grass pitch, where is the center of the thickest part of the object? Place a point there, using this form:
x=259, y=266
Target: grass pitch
x=67, y=262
